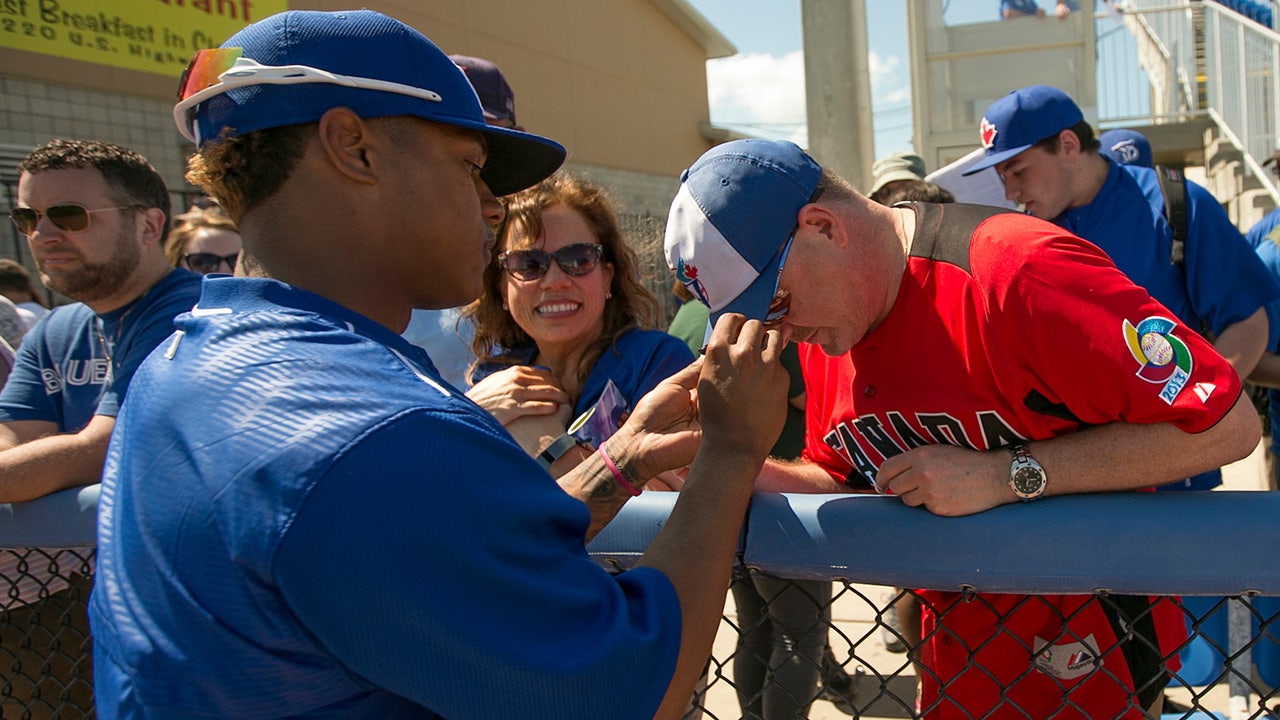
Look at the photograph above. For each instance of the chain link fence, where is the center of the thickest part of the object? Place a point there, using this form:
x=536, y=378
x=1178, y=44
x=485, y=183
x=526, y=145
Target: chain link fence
x=1168, y=606
x=1203, y=674
x=45, y=649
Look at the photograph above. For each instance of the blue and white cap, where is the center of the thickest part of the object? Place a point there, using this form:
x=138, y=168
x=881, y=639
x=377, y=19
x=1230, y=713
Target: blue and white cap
x=730, y=223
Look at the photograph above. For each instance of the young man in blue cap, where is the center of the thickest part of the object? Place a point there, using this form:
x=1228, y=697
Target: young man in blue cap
x=1037, y=139
x=953, y=373
x=301, y=519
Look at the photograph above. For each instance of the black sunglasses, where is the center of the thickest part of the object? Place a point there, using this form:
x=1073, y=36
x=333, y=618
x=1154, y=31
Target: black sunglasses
x=67, y=217
x=577, y=260
x=205, y=263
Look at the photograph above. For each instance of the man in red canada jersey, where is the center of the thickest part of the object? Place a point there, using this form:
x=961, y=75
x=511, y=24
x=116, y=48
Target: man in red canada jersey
x=970, y=357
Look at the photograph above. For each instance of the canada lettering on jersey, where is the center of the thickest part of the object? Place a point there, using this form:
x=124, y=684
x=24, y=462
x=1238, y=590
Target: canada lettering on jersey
x=94, y=371
x=869, y=440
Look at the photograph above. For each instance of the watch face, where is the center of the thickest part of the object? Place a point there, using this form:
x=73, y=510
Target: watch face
x=1028, y=481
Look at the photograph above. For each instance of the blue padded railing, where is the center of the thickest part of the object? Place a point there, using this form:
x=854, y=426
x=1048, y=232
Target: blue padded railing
x=1190, y=543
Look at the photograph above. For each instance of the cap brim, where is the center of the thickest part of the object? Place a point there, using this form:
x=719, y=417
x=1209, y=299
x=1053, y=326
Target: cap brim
x=893, y=176
x=518, y=160
x=994, y=159
x=753, y=303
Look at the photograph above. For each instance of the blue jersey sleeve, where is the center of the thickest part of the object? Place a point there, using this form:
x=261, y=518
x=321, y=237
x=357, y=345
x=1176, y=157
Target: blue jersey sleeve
x=466, y=592
x=1226, y=281
x=1262, y=228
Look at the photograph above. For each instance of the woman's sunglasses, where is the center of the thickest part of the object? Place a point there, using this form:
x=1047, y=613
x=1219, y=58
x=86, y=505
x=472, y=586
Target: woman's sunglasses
x=205, y=263
x=67, y=217
x=577, y=260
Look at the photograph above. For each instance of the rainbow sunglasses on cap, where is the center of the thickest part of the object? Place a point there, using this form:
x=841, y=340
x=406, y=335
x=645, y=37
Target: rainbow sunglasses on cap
x=215, y=71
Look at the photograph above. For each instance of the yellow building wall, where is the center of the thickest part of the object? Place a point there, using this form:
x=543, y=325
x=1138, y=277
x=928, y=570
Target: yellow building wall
x=619, y=83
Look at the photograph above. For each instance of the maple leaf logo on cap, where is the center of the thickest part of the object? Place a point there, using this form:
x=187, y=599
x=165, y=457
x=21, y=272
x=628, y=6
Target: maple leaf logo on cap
x=988, y=133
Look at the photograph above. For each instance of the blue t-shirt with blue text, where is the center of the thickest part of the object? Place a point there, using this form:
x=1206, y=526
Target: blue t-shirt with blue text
x=75, y=364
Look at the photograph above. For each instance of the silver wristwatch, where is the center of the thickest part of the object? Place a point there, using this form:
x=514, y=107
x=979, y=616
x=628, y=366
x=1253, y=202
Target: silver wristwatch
x=1026, y=477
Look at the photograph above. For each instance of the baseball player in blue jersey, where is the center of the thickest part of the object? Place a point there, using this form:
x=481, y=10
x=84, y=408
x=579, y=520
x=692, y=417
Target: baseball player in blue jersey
x=1038, y=141
x=301, y=519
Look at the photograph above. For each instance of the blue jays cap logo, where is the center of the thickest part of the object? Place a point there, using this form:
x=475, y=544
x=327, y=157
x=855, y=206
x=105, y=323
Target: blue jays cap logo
x=987, y=132
x=1161, y=356
x=688, y=274
x=1127, y=150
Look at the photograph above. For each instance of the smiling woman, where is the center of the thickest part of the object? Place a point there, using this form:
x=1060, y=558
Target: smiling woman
x=562, y=314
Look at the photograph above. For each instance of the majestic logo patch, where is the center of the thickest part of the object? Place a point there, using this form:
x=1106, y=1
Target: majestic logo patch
x=1069, y=660
x=987, y=132
x=688, y=274
x=1204, y=390
x=1162, y=358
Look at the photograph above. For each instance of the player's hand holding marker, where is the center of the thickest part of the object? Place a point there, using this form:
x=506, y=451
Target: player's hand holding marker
x=733, y=398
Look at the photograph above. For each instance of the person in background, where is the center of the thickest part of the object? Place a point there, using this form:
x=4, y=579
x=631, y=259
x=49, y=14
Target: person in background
x=1264, y=235
x=291, y=450
x=1126, y=147
x=784, y=658
x=1000, y=304
x=1028, y=8
x=1010, y=9
x=204, y=241
x=95, y=216
x=1037, y=140
x=16, y=284
x=562, y=314
x=892, y=171
x=445, y=334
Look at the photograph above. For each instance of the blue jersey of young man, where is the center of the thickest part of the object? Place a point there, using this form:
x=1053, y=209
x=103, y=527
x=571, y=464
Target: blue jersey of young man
x=300, y=518
x=75, y=364
x=1266, y=243
x=1221, y=281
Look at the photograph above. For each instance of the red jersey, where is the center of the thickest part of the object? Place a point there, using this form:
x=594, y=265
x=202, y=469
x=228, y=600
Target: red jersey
x=1008, y=328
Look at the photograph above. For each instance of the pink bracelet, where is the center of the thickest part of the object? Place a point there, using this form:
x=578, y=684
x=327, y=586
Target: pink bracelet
x=617, y=474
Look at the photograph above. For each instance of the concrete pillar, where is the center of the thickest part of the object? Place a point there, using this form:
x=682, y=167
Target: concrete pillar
x=837, y=82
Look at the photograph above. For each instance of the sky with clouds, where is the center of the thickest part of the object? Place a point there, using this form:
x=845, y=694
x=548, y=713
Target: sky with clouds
x=760, y=91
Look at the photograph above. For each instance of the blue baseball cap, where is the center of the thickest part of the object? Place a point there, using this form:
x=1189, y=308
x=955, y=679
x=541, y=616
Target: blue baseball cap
x=293, y=67
x=1021, y=119
x=1127, y=147
x=732, y=220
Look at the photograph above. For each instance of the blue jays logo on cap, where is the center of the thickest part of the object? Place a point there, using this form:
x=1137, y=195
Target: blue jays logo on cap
x=1021, y=119
x=1127, y=147
x=731, y=221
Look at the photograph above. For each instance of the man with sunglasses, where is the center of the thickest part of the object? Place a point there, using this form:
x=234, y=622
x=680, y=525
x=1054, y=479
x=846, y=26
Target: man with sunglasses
x=962, y=357
x=95, y=218
x=301, y=519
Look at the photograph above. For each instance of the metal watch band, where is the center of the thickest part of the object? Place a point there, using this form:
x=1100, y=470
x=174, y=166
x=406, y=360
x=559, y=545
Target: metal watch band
x=558, y=447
